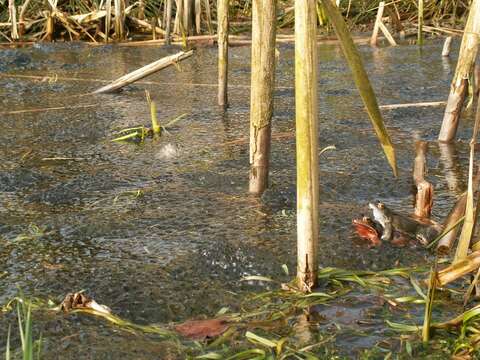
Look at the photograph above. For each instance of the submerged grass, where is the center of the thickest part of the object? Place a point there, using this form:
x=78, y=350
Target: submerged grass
x=288, y=324
x=269, y=324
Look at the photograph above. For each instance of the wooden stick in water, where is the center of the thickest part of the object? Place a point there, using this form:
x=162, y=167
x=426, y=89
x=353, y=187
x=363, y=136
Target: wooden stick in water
x=144, y=71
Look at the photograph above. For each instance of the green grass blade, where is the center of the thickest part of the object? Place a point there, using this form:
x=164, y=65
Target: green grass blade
x=258, y=339
x=127, y=137
x=20, y=326
x=157, y=130
x=178, y=118
x=403, y=327
x=28, y=348
x=429, y=303
x=248, y=354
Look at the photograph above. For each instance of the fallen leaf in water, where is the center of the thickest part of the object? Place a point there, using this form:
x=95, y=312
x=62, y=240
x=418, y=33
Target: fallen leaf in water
x=202, y=329
x=365, y=229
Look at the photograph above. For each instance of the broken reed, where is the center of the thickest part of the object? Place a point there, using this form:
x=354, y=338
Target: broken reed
x=113, y=19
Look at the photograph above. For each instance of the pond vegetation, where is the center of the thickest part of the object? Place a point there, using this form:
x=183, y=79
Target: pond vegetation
x=129, y=219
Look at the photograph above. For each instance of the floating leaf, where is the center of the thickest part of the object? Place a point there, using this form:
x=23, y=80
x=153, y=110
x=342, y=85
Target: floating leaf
x=202, y=329
x=403, y=327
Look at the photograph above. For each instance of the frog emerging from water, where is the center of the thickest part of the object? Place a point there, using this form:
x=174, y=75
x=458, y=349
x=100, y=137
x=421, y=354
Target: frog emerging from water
x=394, y=227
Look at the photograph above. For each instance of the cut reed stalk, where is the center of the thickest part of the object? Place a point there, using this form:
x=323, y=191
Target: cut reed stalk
x=21, y=18
x=457, y=212
x=144, y=71
x=447, y=45
x=12, y=10
x=387, y=34
x=50, y=27
x=178, y=16
x=198, y=16
x=108, y=19
x=153, y=23
x=449, y=160
x=424, y=195
x=261, y=93
x=466, y=61
x=476, y=79
x=141, y=9
x=168, y=21
x=119, y=19
x=459, y=269
x=222, y=31
x=306, y=139
x=208, y=16
x=420, y=23
x=378, y=21
x=187, y=16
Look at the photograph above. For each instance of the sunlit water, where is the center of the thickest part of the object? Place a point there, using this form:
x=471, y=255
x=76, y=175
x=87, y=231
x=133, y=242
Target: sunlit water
x=179, y=250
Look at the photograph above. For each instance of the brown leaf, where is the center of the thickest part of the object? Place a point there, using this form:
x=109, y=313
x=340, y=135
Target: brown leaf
x=202, y=329
x=366, y=230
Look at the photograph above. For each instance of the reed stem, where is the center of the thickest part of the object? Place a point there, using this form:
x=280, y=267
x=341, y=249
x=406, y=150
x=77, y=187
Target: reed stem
x=307, y=147
x=261, y=93
x=222, y=31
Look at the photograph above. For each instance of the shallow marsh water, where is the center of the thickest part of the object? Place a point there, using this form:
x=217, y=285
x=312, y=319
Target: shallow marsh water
x=178, y=249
